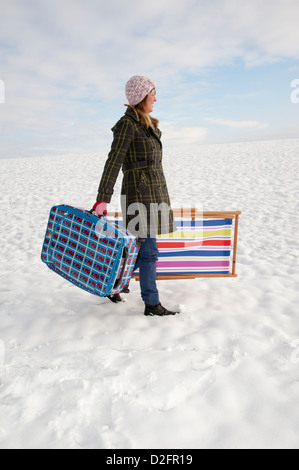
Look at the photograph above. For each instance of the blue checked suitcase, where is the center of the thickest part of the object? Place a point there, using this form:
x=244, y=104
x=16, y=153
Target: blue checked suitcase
x=91, y=252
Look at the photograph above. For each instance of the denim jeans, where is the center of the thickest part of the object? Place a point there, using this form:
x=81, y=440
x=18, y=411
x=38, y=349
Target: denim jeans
x=146, y=262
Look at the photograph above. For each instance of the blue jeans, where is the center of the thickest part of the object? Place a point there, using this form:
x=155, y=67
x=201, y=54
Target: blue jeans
x=146, y=262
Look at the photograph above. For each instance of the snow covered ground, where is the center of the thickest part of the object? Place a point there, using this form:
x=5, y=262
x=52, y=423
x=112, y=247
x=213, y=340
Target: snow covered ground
x=79, y=372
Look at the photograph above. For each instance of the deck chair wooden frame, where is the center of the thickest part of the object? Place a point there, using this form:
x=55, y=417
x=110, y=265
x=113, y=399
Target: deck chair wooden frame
x=194, y=214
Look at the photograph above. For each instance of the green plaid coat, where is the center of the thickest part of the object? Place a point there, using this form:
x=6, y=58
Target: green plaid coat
x=145, y=200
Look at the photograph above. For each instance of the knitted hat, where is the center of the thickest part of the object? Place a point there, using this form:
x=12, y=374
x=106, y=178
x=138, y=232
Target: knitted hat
x=137, y=88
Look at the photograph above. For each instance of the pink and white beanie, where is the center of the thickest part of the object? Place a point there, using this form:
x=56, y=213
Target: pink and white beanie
x=137, y=88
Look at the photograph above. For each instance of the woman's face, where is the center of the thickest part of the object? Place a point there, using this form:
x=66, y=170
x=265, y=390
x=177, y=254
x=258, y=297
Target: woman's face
x=149, y=101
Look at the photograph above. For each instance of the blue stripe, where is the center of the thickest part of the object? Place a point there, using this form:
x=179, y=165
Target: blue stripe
x=181, y=273
x=203, y=223
x=183, y=254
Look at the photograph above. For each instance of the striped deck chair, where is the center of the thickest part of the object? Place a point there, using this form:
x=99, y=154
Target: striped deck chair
x=205, y=245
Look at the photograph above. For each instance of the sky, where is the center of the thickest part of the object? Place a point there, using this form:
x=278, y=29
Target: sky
x=225, y=71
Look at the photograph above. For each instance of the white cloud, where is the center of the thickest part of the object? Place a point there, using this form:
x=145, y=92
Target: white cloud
x=184, y=135
x=67, y=61
x=98, y=40
x=238, y=124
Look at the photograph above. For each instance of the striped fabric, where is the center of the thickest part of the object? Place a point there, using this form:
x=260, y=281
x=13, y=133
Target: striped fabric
x=198, y=247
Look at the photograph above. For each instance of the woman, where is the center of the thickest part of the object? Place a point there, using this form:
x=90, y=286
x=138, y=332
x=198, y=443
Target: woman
x=137, y=150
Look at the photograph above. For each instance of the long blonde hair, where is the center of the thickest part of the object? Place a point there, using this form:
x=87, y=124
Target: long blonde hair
x=145, y=119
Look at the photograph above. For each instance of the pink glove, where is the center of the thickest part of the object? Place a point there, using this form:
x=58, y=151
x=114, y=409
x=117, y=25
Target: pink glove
x=100, y=208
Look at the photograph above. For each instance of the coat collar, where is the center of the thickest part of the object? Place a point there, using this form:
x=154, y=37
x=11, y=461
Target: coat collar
x=130, y=112
x=156, y=132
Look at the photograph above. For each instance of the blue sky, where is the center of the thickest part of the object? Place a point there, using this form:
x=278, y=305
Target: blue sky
x=223, y=70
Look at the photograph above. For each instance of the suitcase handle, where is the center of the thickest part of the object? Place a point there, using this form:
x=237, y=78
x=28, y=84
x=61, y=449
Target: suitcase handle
x=125, y=256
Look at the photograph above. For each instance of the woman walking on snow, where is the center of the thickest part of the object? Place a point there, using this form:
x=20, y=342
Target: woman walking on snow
x=137, y=150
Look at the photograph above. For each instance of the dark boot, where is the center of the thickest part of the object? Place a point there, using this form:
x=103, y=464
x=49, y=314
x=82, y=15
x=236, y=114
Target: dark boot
x=159, y=310
x=126, y=289
x=115, y=298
